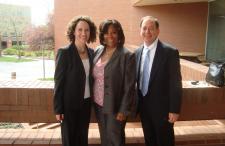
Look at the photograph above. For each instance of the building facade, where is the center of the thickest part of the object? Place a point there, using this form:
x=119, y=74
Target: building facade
x=183, y=25
x=14, y=20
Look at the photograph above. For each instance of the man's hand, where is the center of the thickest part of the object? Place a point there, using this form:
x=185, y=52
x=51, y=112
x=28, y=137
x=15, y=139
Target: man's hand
x=59, y=117
x=173, y=117
x=120, y=117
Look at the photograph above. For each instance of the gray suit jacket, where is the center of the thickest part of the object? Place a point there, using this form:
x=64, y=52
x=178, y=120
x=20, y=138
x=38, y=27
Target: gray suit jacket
x=119, y=81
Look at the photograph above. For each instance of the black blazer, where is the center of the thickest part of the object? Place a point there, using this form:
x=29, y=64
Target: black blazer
x=119, y=81
x=165, y=86
x=70, y=79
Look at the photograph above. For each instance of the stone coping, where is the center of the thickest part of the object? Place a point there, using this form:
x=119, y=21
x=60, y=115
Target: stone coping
x=50, y=84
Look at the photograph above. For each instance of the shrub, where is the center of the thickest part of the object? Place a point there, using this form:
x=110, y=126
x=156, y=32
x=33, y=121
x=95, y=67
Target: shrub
x=28, y=54
x=10, y=51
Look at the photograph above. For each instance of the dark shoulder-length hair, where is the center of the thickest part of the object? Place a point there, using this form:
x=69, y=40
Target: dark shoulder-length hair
x=103, y=29
x=72, y=26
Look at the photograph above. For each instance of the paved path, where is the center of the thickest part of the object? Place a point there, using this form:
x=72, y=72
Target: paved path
x=196, y=133
x=27, y=70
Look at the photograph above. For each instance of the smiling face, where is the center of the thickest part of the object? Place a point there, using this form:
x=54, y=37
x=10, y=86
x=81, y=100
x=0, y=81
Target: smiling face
x=149, y=31
x=111, y=37
x=82, y=32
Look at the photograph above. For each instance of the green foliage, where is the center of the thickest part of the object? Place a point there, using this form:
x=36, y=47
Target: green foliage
x=22, y=47
x=38, y=53
x=46, y=79
x=49, y=54
x=11, y=126
x=14, y=59
x=9, y=51
x=29, y=54
x=14, y=50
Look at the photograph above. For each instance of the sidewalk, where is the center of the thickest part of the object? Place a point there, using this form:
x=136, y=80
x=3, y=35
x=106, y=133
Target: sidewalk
x=188, y=133
x=27, y=70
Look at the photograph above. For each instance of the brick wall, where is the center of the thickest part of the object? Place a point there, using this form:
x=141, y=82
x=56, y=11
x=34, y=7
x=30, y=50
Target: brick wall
x=31, y=101
x=26, y=101
x=183, y=25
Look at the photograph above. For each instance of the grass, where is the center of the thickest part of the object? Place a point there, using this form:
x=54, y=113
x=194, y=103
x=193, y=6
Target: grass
x=11, y=126
x=14, y=59
x=46, y=79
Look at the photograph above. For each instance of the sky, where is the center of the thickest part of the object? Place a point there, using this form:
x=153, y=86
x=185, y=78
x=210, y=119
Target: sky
x=39, y=9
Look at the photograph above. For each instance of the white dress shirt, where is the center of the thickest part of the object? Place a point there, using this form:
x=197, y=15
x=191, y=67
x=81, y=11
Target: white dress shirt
x=87, y=68
x=152, y=48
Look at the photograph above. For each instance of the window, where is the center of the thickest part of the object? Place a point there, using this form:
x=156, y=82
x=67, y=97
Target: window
x=215, y=50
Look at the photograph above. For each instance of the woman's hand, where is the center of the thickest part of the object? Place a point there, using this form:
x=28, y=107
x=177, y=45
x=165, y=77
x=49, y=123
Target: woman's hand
x=59, y=117
x=120, y=117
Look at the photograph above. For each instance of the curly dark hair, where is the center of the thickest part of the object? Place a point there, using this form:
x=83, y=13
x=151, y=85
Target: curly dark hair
x=103, y=29
x=73, y=23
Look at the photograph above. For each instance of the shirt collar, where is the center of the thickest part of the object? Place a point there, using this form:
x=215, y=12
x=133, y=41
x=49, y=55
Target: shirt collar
x=152, y=46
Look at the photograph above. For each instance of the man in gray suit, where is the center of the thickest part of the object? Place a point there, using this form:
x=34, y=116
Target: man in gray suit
x=159, y=85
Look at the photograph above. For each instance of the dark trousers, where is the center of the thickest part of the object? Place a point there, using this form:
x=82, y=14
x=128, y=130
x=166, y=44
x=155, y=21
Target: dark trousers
x=157, y=130
x=111, y=130
x=74, y=127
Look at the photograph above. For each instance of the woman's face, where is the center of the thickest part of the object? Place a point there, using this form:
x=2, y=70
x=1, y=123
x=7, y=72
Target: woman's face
x=82, y=32
x=111, y=37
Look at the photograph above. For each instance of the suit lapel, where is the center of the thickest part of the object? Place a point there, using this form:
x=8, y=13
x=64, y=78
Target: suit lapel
x=114, y=56
x=138, y=62
x=90, y=56
x=76, y=60
x=98, y=54
x=158, y=59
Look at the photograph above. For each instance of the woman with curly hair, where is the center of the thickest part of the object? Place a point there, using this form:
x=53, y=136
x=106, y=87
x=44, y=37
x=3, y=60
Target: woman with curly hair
x=72, y=103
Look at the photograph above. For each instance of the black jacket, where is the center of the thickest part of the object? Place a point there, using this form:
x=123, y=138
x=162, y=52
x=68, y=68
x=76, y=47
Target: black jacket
x=70, y=79
x=165, y=86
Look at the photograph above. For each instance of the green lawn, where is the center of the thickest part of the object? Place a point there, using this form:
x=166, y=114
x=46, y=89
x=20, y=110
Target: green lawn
x=11, y=126
x=14, y=59
x=46, y=79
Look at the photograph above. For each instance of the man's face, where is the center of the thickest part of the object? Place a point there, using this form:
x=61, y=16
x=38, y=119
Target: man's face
x=149, y=32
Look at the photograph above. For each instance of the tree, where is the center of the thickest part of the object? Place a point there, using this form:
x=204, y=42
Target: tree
x=18, y=46
x=38, y=37
x=13, y=21
x=0, y=45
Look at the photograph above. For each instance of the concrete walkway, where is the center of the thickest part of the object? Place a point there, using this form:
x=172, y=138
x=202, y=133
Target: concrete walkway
x=188, y=133
x=27, y=70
